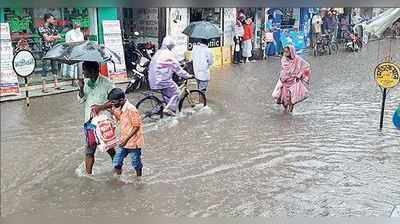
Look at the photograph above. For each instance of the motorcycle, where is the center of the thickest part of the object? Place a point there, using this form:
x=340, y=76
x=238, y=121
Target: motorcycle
x=139, y=57
x=352, y=42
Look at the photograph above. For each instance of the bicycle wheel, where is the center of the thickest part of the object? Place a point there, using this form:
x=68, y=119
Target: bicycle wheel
x=195, y=99
x=150, y=108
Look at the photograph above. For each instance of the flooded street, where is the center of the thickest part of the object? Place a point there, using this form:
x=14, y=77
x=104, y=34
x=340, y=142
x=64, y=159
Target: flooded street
x=241, y=156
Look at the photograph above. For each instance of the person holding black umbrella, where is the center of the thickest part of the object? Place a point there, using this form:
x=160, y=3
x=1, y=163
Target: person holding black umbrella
x=94, y=93
x=202, y=61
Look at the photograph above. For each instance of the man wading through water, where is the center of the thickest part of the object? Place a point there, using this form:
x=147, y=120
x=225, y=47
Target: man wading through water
x=93, y=92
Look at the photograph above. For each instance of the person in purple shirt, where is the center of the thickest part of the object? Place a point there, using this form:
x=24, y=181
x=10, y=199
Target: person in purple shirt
x=162, y=67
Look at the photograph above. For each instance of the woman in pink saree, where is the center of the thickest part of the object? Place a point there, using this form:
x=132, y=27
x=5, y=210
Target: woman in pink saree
x=293, y=85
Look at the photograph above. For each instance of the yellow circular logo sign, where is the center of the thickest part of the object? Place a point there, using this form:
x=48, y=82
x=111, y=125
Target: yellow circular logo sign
x=387, y=75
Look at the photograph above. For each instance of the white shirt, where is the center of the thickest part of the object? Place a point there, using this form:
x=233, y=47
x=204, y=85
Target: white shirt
x=317, y=23
x=74, y=35
x=202, y=61
x=239, y=31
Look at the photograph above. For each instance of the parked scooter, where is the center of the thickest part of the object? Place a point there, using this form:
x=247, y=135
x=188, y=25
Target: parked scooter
x=139, y=56
x=353, y=42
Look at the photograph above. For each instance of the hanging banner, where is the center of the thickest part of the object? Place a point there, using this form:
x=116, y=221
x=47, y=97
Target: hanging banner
x=229, y=26
x=178, y=21
x=113, y=41
x=8, y=79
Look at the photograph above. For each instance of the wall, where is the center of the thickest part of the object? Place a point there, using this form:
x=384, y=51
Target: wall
x=105, y=14
x=1, y=15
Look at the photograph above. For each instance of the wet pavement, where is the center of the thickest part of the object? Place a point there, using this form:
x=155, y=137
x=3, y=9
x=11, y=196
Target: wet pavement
x=241, y=156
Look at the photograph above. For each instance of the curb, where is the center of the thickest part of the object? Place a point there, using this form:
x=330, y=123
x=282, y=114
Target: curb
x=22, y=94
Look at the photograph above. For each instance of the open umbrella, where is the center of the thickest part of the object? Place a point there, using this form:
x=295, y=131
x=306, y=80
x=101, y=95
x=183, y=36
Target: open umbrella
x=71, y=53
x=202, y=30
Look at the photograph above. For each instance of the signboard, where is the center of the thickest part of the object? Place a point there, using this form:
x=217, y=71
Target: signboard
x=212, y=43
x=178, y=20
x=227, y=55
x=8, y=79
x=113, y=41
x=387, y=75
x=24, y=63
x=229, y=26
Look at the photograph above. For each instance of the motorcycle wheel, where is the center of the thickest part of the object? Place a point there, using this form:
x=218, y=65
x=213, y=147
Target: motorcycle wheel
x=132, y=86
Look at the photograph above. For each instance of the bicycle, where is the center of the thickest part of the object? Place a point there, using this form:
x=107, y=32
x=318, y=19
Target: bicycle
x=152, y=107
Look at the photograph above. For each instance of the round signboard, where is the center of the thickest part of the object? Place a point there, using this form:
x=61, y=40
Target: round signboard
x=24, y=63
x=387, y=75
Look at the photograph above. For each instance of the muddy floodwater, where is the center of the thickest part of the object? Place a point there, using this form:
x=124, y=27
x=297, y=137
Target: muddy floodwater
x=240, y=156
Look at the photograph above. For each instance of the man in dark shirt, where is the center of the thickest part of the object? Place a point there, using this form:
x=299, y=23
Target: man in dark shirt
x=49, y=35
x=330, y=24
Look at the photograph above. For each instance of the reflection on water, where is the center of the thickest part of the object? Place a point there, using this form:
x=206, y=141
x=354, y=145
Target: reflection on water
x=241, y=156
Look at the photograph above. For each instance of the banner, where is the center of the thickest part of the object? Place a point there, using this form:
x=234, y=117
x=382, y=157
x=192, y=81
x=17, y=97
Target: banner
x=178, y=20
x=212, y=43
x=229, y=26
x=113, y=41
x=8, y=79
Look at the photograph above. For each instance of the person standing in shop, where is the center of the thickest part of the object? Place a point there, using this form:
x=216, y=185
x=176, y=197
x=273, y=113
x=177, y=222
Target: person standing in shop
x=248, y=40
x=74, y=35
x=50, y=36
x=238, y=39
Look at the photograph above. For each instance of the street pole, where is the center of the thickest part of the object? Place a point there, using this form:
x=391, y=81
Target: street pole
x=382, y=108
x=26, y=91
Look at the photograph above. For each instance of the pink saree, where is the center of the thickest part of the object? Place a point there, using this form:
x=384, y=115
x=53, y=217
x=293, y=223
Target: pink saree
x=293, y=85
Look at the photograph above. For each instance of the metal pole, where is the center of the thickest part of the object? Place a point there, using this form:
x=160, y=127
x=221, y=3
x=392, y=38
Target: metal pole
x=382, y=109
x=26, y=91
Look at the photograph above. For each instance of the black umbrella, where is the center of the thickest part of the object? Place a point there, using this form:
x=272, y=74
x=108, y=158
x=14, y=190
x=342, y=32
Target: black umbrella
x=202, y=30
x=71, y=53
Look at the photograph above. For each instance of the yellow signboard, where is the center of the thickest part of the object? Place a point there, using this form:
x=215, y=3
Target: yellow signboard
x=227, y=55
x=217, y=54
x=387, y=75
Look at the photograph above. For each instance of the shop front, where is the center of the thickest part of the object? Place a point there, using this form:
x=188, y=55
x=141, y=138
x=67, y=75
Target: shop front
x=225, y=19
x=148, y=22
x=214, y=16
x=177, y=19
x=25, y=22
x=258, y=17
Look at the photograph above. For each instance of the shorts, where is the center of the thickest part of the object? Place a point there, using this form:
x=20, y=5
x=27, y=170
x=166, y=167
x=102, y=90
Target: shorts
x=135, y=154
x=202, y=86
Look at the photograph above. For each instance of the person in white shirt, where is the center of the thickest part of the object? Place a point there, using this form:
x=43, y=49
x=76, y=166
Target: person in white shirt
x=74, y=35
x=316, y=25
x=202, y=61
